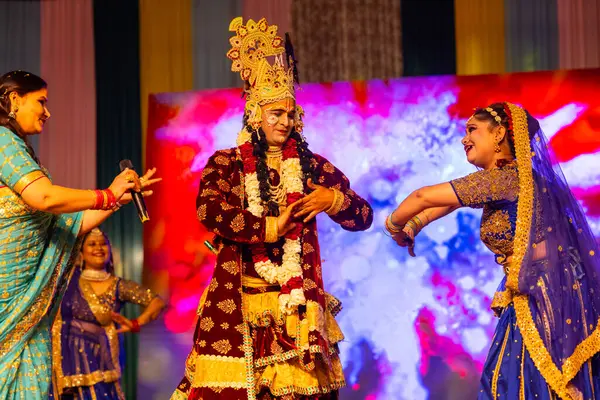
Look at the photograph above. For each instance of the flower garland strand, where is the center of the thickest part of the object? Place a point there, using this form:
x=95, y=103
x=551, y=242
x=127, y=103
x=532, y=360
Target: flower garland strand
x=289, y=274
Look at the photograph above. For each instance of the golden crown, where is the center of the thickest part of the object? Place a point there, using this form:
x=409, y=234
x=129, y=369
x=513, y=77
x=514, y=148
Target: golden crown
x=266, y=82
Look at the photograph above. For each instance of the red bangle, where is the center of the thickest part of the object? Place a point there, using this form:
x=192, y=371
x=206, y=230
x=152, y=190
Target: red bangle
x=99, y=200
x=135, y=328
x=112, y=200
x=105, y=200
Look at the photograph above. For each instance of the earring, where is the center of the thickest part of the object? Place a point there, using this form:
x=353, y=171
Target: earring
x=12, y=114
x=497, y=148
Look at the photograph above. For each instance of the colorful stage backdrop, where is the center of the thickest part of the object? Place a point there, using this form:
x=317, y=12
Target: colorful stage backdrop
x=416, y=328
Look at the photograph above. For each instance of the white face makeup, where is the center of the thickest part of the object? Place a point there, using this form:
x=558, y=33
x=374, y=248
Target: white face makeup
x=278, y=121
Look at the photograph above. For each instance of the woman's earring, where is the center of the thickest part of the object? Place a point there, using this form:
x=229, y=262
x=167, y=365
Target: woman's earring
x=12, y=114
x=497, y=148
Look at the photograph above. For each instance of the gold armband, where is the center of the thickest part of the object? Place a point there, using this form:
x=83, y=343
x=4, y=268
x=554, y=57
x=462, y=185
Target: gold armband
x=27, y=180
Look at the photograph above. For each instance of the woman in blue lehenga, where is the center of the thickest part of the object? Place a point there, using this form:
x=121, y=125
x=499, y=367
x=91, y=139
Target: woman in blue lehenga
x=85, y=342
x=547, y=340
x=39, y=226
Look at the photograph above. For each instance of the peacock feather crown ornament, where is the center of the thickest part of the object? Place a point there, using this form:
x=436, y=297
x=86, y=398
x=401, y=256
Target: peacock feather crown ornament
x=265, y=82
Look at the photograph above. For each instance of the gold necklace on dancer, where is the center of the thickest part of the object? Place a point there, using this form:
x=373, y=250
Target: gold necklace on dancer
x=277, y=192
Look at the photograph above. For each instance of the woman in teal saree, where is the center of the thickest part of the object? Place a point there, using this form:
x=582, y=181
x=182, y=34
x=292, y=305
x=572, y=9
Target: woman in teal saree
x=39, y=228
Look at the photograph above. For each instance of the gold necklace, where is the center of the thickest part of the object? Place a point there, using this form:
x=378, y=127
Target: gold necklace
x=275, y=150
x=274, y=155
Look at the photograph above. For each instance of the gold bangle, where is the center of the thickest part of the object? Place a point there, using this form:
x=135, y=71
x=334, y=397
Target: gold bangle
x=391, y=227
x=419, y=223
x=271, y=230
x=105, y=201
x=412, y=225
x=337, y=203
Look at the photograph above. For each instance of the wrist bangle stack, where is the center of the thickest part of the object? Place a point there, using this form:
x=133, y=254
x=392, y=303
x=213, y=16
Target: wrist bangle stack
x=391, y=226
x=415, y=224
x=104, y=200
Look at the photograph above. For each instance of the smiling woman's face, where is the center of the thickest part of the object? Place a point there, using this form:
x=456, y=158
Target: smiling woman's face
x=479, y=143
x=32, y=111
x=96, y=252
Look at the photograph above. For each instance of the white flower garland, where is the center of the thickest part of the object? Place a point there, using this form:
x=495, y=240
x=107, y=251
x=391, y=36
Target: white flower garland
x=291, y=176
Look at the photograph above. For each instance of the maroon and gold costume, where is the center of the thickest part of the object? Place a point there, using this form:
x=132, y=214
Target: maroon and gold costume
x=243, y=346
x=266, y=327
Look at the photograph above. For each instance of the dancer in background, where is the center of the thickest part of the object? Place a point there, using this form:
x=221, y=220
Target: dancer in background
x=547, y=340
x=266, y=327
x=39, y=226
x=85, y=342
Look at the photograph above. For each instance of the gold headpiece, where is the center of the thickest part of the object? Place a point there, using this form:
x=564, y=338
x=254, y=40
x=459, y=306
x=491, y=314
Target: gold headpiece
x=267, y=83
x=494, y=114
x=96, y=232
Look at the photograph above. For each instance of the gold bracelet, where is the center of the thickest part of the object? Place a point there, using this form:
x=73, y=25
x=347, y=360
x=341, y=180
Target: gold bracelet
x=271, y=230
x=337, y=203
x=105, y=201
x=391, y=227
x=412, y=225
x=419, y=223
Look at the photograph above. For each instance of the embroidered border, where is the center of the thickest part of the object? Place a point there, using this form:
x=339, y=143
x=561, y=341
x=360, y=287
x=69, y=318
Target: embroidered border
x=249, y=367
x=498, y=365
x=57, y=371
x=557, y=380
x=583, y=352
x=525, y=203
x=501, y=300
x=531, y=336
x=310, y=391
x=219, y=371
x=536, y=348
x=522, y=380
x=36, y=312
x=89, y=379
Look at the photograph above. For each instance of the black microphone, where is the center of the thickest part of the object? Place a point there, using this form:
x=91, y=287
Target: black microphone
x=138, y=198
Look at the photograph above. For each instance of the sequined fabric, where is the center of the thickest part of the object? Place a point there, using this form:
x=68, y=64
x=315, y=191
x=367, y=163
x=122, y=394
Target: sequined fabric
x=509, y=372
x=548, y=252
x=85, y=345
x=35, y=257
x=495, y=191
